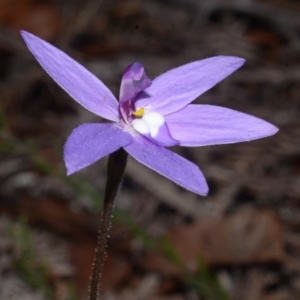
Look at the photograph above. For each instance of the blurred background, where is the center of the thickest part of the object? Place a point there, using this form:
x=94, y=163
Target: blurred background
x=241, y=242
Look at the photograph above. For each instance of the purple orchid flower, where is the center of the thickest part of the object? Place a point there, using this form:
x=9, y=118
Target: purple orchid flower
x=150, y=115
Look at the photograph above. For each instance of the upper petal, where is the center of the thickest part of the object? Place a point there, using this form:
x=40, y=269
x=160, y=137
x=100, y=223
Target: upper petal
x=168, y=164
x=201, y=125
x=178, y=87
x=89, y=142
x=77, y=81
x=134, y=80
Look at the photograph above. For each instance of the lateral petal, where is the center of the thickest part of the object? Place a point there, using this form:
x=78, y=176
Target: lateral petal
x=168, y=164
x=89, y=142
x=201, y=125
x=78, y=82
x=178, y=87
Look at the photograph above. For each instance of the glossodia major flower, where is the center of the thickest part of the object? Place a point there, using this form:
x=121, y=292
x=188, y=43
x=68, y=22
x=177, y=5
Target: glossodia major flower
x=150, y=115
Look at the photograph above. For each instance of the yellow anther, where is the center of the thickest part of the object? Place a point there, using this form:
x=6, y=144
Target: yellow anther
x=139, y=112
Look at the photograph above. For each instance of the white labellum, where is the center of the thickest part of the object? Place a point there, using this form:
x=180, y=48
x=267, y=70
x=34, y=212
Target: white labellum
x=149, y=123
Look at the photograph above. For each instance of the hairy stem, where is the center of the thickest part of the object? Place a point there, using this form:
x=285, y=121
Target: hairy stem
x=115, y=170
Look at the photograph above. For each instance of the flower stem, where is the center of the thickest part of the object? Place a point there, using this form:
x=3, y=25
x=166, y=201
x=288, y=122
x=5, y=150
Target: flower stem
x=115, y=170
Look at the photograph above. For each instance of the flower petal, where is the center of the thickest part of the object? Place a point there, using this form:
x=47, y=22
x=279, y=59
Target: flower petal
x=168, y=164
x=201, y=125
x=134, y=80
x=77, y=81
x=89, y=142
x=176, y=88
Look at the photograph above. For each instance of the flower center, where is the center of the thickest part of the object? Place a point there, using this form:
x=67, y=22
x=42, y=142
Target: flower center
x=147, y=121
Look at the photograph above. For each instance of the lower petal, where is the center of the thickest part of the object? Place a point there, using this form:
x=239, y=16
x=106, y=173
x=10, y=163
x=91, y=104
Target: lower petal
x=168, y=164
x=89, y=142
x=202, y=125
